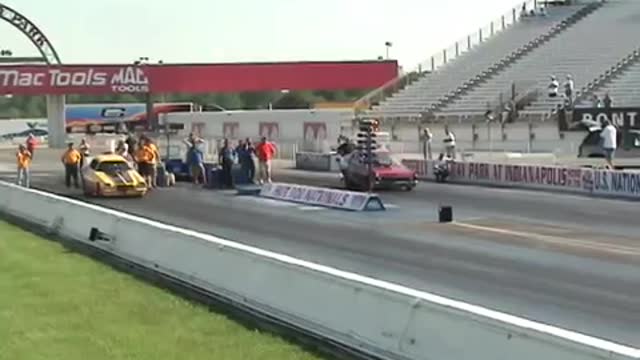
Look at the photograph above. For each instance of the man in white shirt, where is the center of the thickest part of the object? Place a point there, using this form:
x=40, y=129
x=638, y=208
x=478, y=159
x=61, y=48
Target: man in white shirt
x=569, y=89
x=449, y=143
x=554, y=86
x=426, y=138
x=609, y=136
x=441, y=168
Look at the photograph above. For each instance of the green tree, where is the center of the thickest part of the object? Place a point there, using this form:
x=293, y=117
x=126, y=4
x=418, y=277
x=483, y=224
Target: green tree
x=35, y=106
x=293, y=100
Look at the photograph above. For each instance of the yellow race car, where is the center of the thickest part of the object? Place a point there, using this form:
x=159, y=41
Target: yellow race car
x=110, y=175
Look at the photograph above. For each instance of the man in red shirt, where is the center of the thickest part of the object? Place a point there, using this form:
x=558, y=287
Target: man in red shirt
x=31, y=144
x=265, y=151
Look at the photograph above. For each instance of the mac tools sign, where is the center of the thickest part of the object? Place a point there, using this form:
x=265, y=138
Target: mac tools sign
x=35, y=80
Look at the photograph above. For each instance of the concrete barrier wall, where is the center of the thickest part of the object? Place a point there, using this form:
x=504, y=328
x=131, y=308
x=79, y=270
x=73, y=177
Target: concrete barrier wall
x=388, y=320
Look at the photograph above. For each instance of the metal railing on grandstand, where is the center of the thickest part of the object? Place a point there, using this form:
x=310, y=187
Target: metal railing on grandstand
x=445, y=56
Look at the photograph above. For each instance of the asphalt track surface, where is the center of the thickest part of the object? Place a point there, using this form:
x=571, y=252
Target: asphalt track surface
x=564, y=260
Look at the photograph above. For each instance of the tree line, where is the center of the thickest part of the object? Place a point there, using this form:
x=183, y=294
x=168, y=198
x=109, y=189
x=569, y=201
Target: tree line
x=35, y=106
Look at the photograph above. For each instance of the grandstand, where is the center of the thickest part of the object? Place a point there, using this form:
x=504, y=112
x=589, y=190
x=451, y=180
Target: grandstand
x=593, y=40
x=624, y=88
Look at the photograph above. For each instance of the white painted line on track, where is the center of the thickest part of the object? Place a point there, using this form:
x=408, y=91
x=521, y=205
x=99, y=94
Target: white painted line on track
x=311, y=208
x=556, y=240
x=270, y=202
x=278, y=203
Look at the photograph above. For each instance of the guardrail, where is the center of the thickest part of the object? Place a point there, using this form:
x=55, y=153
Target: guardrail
x=379, y=318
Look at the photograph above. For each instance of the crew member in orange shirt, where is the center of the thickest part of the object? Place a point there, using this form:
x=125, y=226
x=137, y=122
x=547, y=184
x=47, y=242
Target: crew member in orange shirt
x=144, y=159
x=23, y=159
x=153, y=149
x=71, y=160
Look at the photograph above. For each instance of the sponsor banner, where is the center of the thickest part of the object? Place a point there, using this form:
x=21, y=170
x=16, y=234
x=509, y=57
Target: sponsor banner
x=338, y=199
x=528, y=176
x=577, y=180
x=612, y=183
x=583, y=118
x=99, y=118
x=40, y=80
x=423, y=168
x=201, y=78
x=313, y=161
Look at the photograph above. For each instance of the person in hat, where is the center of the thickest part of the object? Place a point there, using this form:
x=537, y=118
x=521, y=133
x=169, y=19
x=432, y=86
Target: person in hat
x=23, y=159
x=71, y=160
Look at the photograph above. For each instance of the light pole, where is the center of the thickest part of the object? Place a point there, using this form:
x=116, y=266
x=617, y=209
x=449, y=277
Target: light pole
x=388, y=46
x=163, y=97
x=151, y=121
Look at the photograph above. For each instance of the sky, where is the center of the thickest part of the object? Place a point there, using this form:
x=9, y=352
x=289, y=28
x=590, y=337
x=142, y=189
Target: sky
x=212, y=31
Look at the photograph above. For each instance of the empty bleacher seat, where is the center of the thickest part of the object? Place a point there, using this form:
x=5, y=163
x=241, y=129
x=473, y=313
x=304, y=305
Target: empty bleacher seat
x=475, y=64
x=587, y=50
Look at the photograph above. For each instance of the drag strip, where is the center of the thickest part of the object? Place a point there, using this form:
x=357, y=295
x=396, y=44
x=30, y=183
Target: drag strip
x=587, y=289
x=599, y=214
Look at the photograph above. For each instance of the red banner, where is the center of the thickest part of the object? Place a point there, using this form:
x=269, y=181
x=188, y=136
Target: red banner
x=206, y=78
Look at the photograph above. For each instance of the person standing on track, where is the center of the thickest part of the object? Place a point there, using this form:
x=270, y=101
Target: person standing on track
x=145, y=159
x=151, y=156
x=449, y=143
x=245, y=151
x=195, y=161
x=265, y=151
x=192, y=140
x=131, y=143
x=155, y=161
x=85, y=152
x=122, y=149
x=32, y=142
x=23, y=159
x=71, y=160
x=426, y=139
x=226, y=157
x=609, y=141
